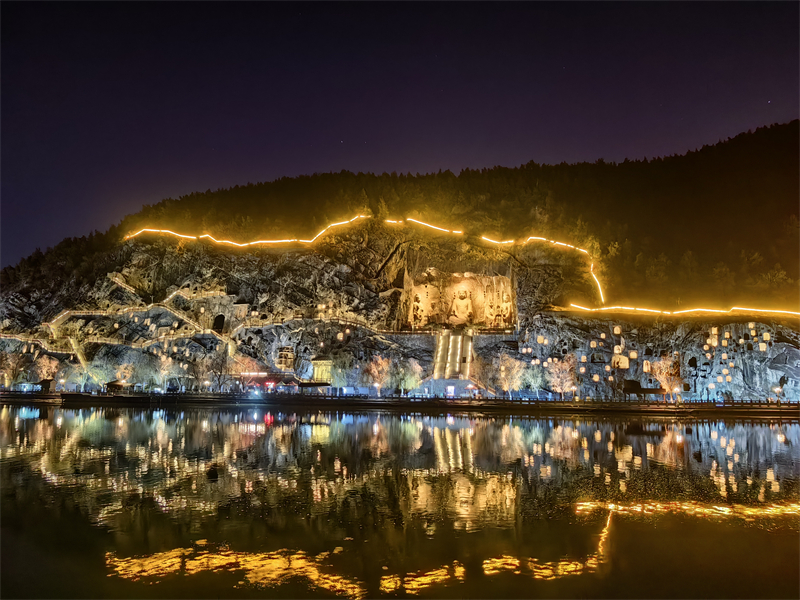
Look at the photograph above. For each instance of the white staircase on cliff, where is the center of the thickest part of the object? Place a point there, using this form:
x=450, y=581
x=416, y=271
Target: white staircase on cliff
x=453, y=356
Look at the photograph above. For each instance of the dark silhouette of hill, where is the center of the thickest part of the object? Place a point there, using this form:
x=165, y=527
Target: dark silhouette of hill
x=717, y=225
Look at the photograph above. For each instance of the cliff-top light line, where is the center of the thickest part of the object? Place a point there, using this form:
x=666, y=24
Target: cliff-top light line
x=690, y=310
x=242, y=245
x=490, y=240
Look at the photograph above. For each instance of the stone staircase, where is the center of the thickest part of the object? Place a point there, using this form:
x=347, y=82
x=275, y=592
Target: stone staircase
x=453, y=356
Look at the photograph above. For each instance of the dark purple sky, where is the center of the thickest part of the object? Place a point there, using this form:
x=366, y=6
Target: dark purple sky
x=108, y=106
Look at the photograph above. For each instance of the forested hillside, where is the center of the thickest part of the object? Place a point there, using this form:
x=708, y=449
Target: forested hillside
x=717, y=226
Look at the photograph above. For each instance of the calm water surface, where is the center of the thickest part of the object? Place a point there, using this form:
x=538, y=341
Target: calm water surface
x=243, y=503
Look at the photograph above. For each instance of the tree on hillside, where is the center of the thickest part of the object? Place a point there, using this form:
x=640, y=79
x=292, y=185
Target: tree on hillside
x=199, y=370
x=45, y=367
x=508, y=372
x=667, y=371
x=533, y=378
x=377, y=372
x=344, y=371
x=562, y=375
x=13, y=364
x=406, y=375
x=220, y=368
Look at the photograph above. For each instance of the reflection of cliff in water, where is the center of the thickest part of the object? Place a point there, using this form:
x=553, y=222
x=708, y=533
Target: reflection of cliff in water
x=342, y=472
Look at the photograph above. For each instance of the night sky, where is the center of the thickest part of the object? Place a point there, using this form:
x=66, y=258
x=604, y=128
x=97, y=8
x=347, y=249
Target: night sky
x=108, y=106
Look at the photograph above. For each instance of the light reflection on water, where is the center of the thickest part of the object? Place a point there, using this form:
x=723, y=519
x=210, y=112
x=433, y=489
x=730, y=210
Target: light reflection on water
x=297, y=496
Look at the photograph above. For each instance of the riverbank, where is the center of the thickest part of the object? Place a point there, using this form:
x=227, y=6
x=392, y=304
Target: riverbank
x=745, y=409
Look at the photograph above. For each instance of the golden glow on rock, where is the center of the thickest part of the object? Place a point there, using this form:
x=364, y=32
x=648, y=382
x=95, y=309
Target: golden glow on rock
x=487, y=239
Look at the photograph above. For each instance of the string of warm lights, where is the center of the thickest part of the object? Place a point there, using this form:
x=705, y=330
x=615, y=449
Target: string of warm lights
x=683, y=312
x=487, y=239
x=244, y=244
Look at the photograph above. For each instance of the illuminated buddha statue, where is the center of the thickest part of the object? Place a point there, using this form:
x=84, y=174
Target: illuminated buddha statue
x=506, y=309
x=419, y=312
x=461, y=310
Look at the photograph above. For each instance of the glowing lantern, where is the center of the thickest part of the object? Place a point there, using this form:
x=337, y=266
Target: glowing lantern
x=608, y=368
x=593, y=344
x=583, y=369
x=634, y=354
x=766, y=337
x=711, y=386
x=617, y=330
x=762, y=346
x=595, y=377
x=603, y=336
x=540, y=339
x=583, y=359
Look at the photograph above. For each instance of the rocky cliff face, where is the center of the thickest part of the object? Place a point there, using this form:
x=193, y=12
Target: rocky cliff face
x=357, y=292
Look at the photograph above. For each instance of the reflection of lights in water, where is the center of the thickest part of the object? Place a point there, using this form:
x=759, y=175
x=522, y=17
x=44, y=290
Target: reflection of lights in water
x=693, y=509
x=260, y=568
x=416, y=582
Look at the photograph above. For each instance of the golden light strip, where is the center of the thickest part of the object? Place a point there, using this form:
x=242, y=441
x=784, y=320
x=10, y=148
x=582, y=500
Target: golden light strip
x=431, y=226
x=681, y=312
x=597, y=281
x=487, y=239
x=242, y=245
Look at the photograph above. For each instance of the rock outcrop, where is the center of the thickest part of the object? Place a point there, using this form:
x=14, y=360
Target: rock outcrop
x=372, y=289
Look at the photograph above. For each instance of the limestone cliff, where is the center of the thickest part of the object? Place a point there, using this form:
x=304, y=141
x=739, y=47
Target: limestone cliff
x=372, y=288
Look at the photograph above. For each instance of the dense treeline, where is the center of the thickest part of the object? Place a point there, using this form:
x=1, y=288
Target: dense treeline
x=718, y=224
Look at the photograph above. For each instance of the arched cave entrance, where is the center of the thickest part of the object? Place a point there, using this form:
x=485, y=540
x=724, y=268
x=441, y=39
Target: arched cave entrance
x=219, y=323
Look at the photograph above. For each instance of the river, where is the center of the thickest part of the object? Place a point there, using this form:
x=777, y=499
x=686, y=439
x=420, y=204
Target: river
x=245, y=503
